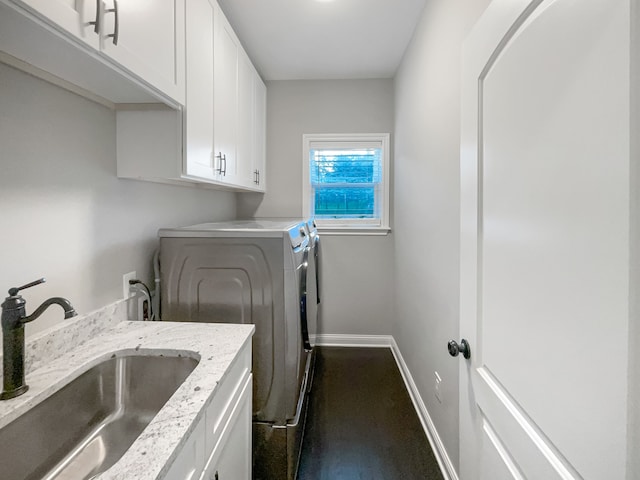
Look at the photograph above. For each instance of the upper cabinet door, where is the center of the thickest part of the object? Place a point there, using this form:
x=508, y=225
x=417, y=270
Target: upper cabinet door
x=239, y=111
x=225, y=97
x=77, y=17
x=246, y=102
x=198, y=114
x=260, y=133
x=146, y=37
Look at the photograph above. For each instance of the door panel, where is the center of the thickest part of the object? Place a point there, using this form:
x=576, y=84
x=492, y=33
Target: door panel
x=199, y=92
x=496, y=460
x=246, y=102
x=225, y=95
x=260, y=131
x=545, y=249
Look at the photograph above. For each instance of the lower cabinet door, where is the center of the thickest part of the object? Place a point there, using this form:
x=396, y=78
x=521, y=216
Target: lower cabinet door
x=231, y=457
x=188, y=464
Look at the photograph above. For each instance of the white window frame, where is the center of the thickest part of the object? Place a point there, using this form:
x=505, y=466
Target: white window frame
x=341, y=140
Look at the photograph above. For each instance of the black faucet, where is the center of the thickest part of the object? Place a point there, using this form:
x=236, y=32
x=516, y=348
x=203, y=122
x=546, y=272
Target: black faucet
x=14, y=317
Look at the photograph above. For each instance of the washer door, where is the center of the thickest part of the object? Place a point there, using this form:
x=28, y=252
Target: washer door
x=316, y=265
x=304, y=300
x=313, y=290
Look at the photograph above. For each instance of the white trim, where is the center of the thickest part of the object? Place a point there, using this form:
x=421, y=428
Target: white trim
x=354, y=230
x=444, y=462
x=333, y=340
x=381, y=140
x=54, y=80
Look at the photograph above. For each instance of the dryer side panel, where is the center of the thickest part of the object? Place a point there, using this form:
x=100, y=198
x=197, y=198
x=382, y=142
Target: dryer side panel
x=232, y=280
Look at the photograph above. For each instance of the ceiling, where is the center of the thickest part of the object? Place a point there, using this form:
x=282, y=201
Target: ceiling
x=324, y=39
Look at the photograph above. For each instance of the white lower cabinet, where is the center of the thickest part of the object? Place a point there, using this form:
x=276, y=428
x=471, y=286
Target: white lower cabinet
x=187, y=466
x=219, y=448
x=231, y=457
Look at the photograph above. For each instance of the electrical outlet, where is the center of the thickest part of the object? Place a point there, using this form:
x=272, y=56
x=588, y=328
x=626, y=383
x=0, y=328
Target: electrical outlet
x=438, y=382
x=126, y=288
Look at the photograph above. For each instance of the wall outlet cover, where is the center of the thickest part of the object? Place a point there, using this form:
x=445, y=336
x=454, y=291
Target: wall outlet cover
x=437, y=387
x=126, y=288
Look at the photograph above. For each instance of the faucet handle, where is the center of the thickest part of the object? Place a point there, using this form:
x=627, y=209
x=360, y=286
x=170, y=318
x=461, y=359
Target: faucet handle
x=14, y=291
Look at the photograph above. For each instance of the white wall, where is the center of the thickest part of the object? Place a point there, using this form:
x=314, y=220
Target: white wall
x=426, y=213
x=65, y=215
x=357, y=270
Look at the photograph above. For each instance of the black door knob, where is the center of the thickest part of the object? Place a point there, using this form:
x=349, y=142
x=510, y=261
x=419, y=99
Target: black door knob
x=463, y=347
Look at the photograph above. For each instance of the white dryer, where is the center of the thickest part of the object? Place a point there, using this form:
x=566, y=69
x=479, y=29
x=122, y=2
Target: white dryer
x=253, y=271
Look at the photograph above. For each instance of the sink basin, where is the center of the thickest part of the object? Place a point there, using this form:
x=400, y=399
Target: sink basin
x=85, y=427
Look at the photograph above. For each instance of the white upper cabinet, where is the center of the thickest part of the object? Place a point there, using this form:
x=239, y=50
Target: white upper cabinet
x=239, y=106
x=198, y=112
x=252, y=97
x=146, y=37
x=77, y=17
x=219, y=137
x=127, y=51
x=259, y=133
x=246, y=115
x=226, y=57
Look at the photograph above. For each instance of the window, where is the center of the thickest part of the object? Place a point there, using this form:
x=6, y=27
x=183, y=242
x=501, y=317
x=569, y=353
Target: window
x=346, y=181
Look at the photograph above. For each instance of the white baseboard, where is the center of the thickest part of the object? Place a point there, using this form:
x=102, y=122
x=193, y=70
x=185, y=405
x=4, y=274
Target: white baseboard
x=327, y=340
x=332, y=340
x=446, y=466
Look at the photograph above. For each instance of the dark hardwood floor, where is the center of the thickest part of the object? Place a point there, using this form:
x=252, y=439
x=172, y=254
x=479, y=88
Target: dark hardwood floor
x=361, y=424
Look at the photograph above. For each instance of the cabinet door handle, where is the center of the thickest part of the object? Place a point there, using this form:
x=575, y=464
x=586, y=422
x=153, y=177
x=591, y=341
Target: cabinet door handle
x=116, y=27
x=96, y=23
x=222, y=164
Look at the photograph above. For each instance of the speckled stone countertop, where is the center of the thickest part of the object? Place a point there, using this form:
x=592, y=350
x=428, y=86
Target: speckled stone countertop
x=215, y=345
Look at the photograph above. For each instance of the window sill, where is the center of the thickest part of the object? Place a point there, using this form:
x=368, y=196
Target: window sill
x=353, y=230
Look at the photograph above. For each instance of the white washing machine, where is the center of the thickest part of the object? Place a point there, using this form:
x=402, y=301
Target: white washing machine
x=252, y=271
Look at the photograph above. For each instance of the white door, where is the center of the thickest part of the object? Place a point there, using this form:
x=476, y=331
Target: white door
x=545, y=174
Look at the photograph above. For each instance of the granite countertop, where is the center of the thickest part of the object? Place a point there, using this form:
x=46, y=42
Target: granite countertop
x=216, y=347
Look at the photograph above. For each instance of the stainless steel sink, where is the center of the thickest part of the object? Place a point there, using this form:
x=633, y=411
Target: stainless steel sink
x=86, y=427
